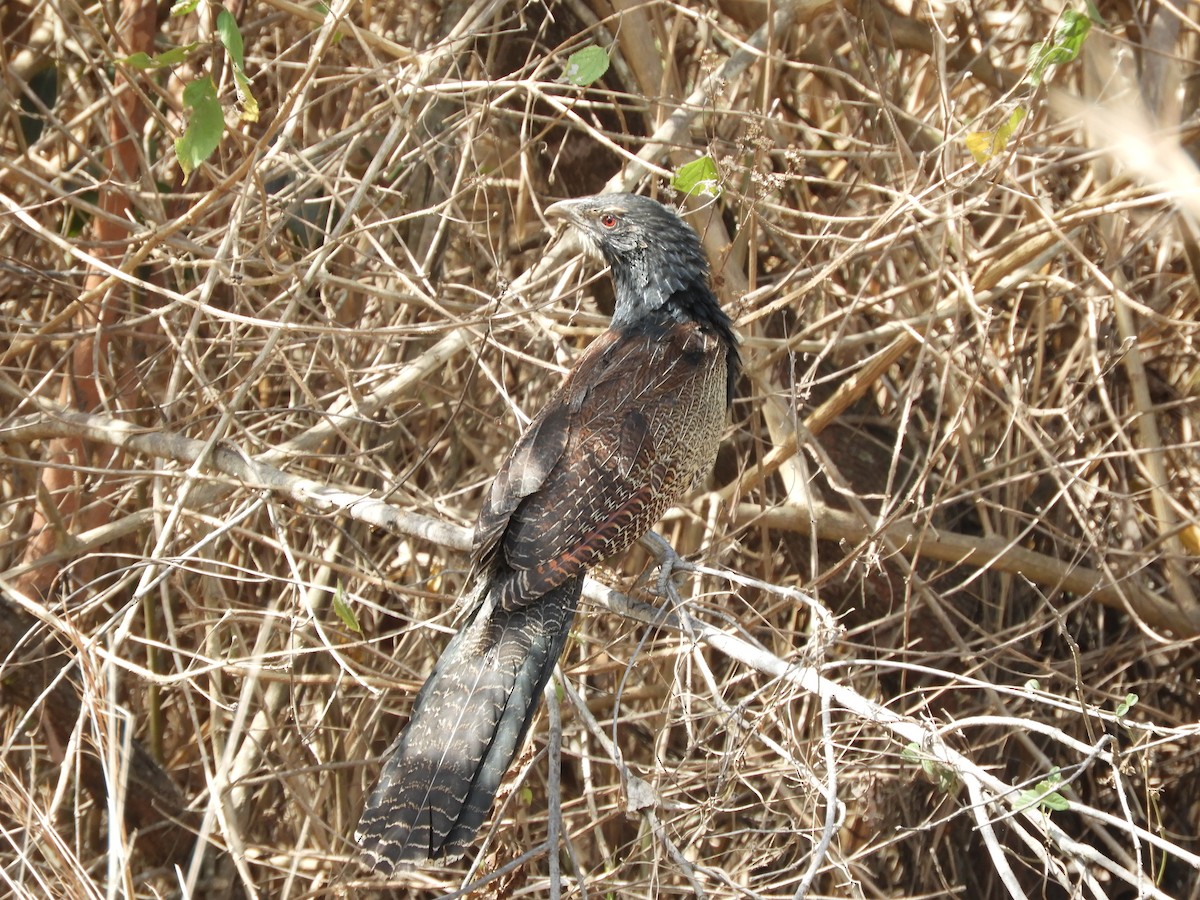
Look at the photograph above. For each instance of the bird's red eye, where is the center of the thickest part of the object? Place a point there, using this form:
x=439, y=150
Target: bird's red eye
x=608, y=220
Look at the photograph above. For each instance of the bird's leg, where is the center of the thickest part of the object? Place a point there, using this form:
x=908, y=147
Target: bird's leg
x=669, y=562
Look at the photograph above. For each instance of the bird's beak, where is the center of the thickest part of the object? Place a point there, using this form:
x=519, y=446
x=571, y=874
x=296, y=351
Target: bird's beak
x=581, y=231
x=563, y=209
x=568, y=210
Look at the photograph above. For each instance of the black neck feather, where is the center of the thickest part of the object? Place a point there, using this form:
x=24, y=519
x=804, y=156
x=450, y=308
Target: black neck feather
x=695, y=303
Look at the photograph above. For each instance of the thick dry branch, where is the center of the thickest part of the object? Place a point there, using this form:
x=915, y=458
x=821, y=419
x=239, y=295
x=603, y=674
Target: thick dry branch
x=250, y=473
x=996, y=554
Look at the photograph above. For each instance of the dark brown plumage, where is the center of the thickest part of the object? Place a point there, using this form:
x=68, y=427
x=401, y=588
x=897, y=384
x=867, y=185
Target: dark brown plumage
x=635, y=426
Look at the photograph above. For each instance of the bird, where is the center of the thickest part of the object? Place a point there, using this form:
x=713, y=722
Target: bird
x=635, y=425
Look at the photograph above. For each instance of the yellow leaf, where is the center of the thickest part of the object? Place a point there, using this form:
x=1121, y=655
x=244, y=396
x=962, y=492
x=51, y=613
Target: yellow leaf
x=1190, y=538
x=986, y=144
x=981, y=144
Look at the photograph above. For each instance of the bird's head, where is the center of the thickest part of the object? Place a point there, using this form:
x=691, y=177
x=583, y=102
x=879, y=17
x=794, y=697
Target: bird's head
x=655, y=256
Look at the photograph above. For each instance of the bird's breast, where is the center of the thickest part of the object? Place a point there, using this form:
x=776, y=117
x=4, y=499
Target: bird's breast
x=687, y=408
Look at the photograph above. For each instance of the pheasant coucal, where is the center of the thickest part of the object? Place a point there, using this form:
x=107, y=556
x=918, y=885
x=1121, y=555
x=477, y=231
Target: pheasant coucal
x=635, y=426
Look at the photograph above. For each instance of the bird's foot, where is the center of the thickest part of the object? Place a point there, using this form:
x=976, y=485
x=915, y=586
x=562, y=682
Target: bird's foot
x=671, y=566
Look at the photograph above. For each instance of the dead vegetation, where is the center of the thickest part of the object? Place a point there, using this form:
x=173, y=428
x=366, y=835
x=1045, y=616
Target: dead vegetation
x=953, y=527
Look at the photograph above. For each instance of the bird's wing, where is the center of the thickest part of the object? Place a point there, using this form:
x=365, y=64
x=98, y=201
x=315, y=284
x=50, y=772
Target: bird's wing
x=522, y=474
x=586, y=479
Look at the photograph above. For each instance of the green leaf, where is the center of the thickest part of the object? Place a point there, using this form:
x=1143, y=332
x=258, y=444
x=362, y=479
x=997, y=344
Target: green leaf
x=1056, y=802
x=1044, y=796
x=184, y=7
x=943, y=776
x=699, y=177
x=1126, y=705
x=172, y=57
x=206, y=122
x=231, y=38
x=139, y=60
x=176, y=55
x=344, y=611
x=586, y=66
x=1068, y=40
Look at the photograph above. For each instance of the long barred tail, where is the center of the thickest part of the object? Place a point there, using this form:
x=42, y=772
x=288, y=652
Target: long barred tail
x=467, y=724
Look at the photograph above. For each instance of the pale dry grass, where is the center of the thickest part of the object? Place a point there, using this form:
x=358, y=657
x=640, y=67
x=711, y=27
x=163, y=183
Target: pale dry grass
x=956, y=510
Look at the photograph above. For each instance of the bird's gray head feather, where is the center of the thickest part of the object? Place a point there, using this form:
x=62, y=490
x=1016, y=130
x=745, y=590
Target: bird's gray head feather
x=654, y=255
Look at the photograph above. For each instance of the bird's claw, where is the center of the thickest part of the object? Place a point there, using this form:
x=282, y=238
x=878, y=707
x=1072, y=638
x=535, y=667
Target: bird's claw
x=670, y=563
